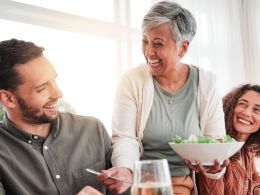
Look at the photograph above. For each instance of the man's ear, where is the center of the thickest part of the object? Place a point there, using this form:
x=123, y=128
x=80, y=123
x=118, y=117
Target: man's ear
x=7, y=98
x=183, y=48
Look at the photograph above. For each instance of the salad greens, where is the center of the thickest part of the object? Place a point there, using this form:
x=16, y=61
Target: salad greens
x=203, y=139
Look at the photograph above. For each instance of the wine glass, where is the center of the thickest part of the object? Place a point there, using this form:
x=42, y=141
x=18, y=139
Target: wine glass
x=151, y=177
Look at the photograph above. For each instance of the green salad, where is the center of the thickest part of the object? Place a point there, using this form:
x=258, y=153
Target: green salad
x=203, y=139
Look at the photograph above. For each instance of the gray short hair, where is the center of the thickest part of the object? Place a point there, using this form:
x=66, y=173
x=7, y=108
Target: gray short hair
x=182, y=22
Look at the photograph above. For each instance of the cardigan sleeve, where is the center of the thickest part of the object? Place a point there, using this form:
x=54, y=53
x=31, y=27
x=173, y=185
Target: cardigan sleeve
x=208, y=186
x=124, y=137
x=211, y=107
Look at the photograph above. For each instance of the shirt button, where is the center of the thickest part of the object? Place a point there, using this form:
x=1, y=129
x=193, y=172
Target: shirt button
x=35, y=137
x=30, y=141
x=45, y=147
x=57, y=176
x=170, y=101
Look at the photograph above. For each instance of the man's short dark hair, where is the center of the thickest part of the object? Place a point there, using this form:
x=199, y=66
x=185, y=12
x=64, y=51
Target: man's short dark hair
x=12, y=53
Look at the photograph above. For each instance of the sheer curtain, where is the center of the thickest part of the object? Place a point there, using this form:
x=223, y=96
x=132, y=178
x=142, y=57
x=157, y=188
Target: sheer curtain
x=251, y=38
x=218, y=45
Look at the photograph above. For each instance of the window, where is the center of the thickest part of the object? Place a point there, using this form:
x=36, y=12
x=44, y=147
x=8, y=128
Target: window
x=98, y=9
x=89, y=50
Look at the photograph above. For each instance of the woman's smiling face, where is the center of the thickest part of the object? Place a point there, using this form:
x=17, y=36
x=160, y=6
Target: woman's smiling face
x=160, y=50
x=246, y=116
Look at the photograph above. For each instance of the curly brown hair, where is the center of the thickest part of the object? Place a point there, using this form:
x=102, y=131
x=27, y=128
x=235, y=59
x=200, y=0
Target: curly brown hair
x=229, y=103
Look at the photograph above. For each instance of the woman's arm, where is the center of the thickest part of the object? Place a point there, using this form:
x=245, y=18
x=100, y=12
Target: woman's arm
x=211, y=107
x=207, y=186
x=124, y=138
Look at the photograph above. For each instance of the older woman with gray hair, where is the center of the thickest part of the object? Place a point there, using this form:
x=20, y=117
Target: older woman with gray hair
x=161, y=99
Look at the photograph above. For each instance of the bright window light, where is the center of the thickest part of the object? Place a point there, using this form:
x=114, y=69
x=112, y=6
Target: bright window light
x=138, y=9
x=86, y=66
x=98, y=9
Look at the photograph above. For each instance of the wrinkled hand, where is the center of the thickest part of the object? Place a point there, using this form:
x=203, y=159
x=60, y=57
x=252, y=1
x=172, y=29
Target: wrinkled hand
x=115, y=186
x=216, y=168
x=89, y=191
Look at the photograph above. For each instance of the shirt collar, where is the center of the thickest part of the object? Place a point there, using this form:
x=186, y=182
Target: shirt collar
x=25, y=136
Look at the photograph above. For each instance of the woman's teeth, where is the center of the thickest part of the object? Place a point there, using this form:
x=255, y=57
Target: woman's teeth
x=246, y=122
x=154, y=63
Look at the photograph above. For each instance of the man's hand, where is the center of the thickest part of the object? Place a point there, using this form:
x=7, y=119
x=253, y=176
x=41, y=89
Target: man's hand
x=115, y=186
x=89, y=191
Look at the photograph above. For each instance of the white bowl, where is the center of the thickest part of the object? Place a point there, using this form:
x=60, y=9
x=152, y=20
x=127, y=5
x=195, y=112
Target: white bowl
x=206, y=153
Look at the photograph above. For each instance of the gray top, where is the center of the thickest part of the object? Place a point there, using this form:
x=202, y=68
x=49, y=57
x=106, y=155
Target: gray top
x=32, y=165
x=175, y=113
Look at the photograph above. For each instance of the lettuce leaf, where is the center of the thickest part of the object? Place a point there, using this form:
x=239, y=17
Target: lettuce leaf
x=203, y=139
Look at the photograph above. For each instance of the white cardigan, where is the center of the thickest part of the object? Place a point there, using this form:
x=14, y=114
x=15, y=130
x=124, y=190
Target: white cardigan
x=133, y=102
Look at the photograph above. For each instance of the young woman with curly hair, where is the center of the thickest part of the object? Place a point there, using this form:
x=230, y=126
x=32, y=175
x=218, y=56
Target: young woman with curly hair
x=242, y=119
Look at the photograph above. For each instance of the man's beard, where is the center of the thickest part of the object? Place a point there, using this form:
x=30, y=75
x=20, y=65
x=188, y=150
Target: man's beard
x=33, y=114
